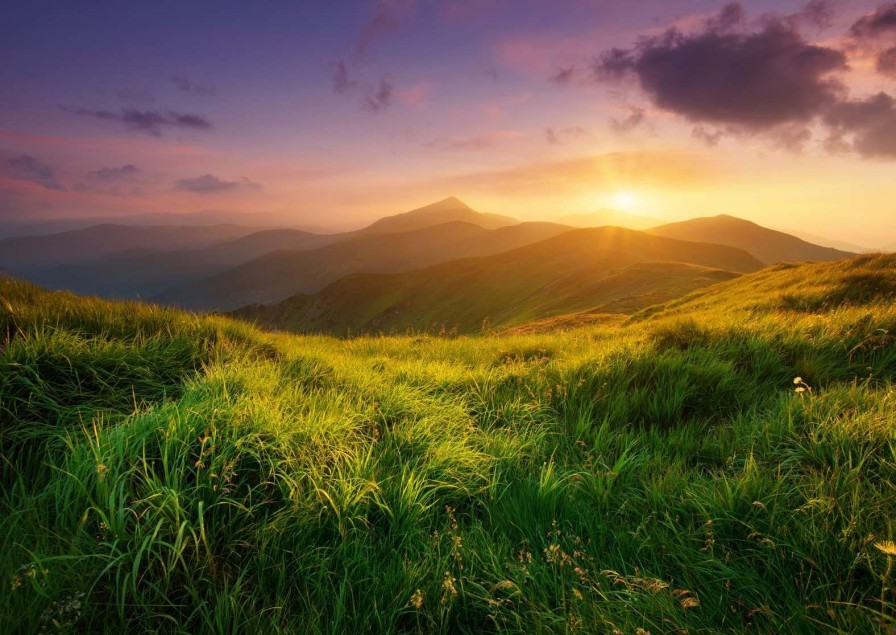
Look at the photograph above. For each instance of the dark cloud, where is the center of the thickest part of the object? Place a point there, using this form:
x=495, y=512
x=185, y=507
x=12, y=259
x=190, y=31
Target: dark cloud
x=211, y=184
x=792, y=138
x=379, y=97
x=563, y=76
x=886, y=62
x=149, y=121
x=342, y=83
x=555, y=136
x=186, y=85
x=730, y=74
x=817, y=13
x=630, y=123
x=708, y=137
x=386, y=19
x=113, y=174
x=866, y=126
x=26, y=168
x=881, y=21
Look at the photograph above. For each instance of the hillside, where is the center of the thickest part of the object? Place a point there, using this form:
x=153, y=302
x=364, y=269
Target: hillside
x=129, y=275
x=449, y=210
x=92, y=243
x=768, y=245
x=609, y=217
x=278, y=275
x=616, y=269
x=721, y=464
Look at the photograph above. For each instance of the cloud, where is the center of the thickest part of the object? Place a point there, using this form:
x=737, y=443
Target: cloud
x=881, y=21
x=113, y=174
x=731, y=74
x=186, y=85
x=635, y=120
x=339, y=75
x=379, y=97
x=148, y=121
x=555, y=136
x=211, y=184
x=817, y=13
x=387, y=18
x=709, y=138
x=563, y=76
x=886, y=62
x=866, y=126
x=26, y=168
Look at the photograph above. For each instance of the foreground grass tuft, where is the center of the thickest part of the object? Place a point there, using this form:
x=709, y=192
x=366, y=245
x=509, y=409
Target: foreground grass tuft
x=163, y=472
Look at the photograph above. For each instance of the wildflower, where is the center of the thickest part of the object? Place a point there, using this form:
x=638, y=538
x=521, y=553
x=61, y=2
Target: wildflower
x=416, y=600
x=887, y=546
x=797, y=381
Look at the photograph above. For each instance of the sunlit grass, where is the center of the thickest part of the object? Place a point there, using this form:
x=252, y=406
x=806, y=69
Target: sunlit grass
x=164, y=472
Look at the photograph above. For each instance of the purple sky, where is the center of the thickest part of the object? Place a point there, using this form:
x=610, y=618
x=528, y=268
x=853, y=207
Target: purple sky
x=337, y=112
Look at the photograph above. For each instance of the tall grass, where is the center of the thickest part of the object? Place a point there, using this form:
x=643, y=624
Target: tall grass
x=169, y=473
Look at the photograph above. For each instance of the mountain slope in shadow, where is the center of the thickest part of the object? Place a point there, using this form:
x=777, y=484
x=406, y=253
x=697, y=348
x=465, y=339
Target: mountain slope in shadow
x=608, y=270
x=278, y=275
x=768, y=245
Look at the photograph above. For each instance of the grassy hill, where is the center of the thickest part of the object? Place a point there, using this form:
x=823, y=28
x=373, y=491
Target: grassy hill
x=769, y=245
x=164, y=472
x=606, y=270
x=278, y=275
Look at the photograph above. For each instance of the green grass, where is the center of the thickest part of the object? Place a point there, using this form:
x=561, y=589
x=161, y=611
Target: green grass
x=169, y=473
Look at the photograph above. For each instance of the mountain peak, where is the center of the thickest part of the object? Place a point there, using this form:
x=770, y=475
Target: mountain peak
x=445, y=211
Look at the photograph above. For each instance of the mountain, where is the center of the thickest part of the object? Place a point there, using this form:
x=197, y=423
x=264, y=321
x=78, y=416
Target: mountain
x=768, y=245
x=143, y=274
x=824, y=241
x=607, y=270
x=609, y=217
x=93, y=243
x=278, y=275
x=206, y=217
x=449, y=210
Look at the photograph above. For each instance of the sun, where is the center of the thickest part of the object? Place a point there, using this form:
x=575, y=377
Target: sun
x=624, y=200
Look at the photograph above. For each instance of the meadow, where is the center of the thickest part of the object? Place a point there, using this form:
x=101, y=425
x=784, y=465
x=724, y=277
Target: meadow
x=723, y=463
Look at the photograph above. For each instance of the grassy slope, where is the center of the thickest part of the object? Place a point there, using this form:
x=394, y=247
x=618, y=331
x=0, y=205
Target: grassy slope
x=163, y=472
x=279, y=275
x=609, y=270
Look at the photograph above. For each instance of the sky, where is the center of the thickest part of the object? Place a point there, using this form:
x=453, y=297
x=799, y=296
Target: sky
x=332, y=114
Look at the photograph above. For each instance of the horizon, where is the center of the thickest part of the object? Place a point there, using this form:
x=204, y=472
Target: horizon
x=320, y=117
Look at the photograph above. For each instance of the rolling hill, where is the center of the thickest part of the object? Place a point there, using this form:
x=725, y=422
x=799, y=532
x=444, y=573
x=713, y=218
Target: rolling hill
x=449, y=210
x=606, y=270
x=278, y=275
x=719, y=464
x=768, y=245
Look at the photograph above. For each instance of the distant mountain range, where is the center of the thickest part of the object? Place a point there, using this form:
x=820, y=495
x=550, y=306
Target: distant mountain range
x=443, y=263
x=99, y=241
x=280, y=274
x=613, y=269
x=768, y=245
